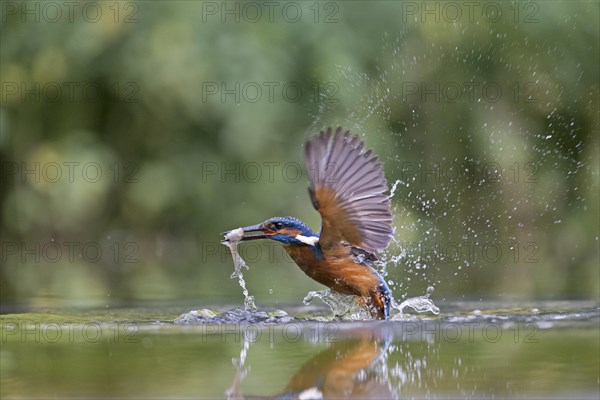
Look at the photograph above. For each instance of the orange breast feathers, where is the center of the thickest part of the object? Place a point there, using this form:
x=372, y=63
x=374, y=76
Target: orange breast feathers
x=336, y=270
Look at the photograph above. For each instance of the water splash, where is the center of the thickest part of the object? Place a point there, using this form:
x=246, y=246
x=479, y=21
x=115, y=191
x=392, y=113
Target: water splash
x=344, y=307
x=232, y=240
x=420, y=304
x=394, y=187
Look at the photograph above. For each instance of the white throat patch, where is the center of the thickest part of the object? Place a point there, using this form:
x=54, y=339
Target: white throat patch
x=311, y=241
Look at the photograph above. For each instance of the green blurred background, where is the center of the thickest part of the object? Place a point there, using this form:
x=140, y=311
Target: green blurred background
x=133, y=133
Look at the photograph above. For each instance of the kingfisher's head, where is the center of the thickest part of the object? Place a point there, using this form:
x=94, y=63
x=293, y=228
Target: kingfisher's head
x=287, y=230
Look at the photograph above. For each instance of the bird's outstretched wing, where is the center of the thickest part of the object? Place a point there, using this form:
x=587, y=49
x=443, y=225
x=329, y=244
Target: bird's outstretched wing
x=347, y=187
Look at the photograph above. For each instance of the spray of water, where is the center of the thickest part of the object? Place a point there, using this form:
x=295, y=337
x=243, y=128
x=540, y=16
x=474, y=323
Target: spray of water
x=232, y=240
x=394, y=187
x=420, y=304
x=346, y=308
x=343, y=307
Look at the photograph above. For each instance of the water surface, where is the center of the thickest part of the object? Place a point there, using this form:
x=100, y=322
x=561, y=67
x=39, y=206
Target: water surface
x=477, y=349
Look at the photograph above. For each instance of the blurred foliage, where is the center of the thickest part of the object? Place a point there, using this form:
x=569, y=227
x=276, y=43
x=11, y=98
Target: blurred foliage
x=173, y=107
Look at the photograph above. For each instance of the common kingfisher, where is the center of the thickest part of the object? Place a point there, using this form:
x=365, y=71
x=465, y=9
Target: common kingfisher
x=347, y=187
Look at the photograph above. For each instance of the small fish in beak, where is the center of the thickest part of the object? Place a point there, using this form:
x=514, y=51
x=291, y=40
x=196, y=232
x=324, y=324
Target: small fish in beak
x=240, y=234
x=233, y=236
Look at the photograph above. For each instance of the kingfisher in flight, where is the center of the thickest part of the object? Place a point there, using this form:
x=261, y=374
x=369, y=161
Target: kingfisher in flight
x=347, y=187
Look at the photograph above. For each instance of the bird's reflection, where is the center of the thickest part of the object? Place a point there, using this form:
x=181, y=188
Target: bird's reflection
x=342, y=371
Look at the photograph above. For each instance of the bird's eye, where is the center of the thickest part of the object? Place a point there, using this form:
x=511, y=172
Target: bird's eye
x=277, y=225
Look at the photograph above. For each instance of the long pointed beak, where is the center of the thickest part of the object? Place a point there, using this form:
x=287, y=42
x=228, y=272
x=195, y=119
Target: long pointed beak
x=250, y=233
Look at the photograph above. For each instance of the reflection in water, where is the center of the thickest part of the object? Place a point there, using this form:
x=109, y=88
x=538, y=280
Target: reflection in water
x=342, y=371
x=476, y=354
x=349, y=369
